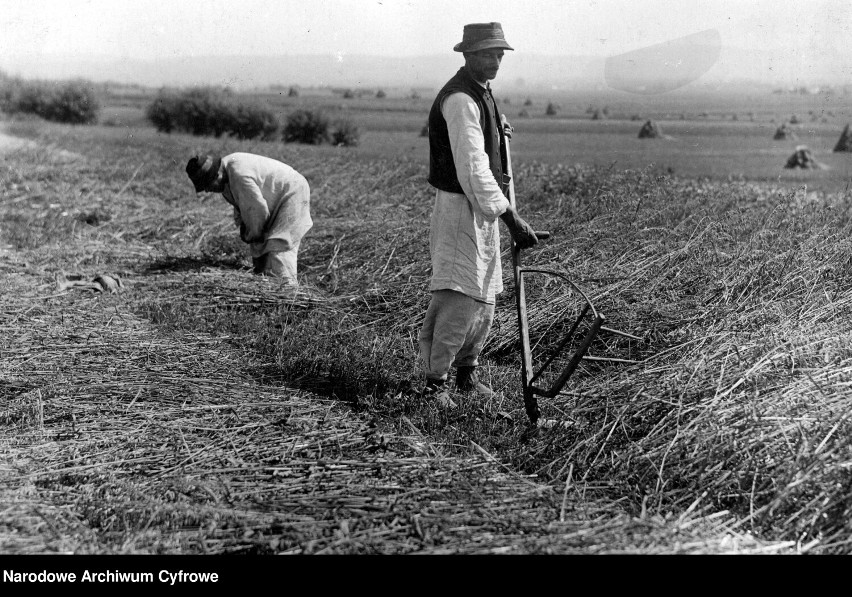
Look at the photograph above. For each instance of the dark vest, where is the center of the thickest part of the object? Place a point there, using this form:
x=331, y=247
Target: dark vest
x=442, y=169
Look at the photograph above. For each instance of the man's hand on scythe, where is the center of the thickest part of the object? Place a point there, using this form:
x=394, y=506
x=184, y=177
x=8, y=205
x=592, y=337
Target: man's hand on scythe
x=522, y=233
x=508, y=129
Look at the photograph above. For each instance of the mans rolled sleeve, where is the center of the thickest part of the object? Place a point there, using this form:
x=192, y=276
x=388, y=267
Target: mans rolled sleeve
x=467, y=143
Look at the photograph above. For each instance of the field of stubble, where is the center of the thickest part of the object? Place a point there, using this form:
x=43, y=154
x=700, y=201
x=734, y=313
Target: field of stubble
x=203, y=410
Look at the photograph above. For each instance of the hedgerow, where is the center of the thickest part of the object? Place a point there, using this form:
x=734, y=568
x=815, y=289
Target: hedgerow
x=203, y=111
x=306, y=126
x=72, y=102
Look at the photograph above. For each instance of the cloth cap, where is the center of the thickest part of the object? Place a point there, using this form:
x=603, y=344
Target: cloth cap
x=202, y=170
x=482, y=36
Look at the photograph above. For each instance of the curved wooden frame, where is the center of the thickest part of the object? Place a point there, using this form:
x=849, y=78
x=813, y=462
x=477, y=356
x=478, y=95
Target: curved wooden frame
x=529, y=375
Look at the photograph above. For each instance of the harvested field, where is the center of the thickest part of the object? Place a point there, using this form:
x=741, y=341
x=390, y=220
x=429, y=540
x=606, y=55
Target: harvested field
x=123, y=438
x=204, y=410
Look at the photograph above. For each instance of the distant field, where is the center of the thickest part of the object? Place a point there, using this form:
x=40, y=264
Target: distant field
x=717, y=136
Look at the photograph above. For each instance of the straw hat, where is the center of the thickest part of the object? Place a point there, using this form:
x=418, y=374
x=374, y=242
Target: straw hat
x=482, y=36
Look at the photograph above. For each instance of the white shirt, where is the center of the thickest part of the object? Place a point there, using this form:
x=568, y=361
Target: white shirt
x=271, y=198
x=465, y=234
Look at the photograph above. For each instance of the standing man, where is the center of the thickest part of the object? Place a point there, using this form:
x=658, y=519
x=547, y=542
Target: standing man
x=467, y=166
x=272, y=206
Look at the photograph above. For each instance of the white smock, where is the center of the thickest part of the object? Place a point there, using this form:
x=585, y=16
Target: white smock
x=465, y=235
x=271, y=202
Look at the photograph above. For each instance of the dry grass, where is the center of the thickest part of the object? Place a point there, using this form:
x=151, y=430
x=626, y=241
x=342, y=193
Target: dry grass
x=123, y=438
x=203, y=410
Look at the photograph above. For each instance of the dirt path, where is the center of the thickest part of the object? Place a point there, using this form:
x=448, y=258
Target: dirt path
x=10, y=143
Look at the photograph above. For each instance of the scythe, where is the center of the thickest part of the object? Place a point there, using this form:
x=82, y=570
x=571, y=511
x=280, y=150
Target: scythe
x=529, y=376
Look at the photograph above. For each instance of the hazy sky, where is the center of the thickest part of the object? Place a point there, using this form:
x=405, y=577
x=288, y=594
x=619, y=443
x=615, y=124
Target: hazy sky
x=149, y=29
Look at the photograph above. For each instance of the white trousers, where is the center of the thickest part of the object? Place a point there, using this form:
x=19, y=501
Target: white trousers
x=453, y=333
x=278, y=264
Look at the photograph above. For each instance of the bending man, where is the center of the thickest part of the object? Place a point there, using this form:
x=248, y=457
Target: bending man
x=272, y=206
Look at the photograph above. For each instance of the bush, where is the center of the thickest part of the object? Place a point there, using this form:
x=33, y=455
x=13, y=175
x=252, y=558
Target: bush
x=551, y=109
x=202, y=111
x=346, y=134
x=380, y=94
x=197, y=111
x=7, y=94
x=250, y=122
x=293, y=92
x=30, y=99
x=306, y=126
x=162, y=112
x=74, y=102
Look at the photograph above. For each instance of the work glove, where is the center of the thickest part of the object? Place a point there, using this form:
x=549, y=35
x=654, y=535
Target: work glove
x=522, y=233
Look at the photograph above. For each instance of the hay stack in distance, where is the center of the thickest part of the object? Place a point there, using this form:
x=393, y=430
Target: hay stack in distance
x=785, y=131
x=650, y=130
x=845, y=141
x=803, y=158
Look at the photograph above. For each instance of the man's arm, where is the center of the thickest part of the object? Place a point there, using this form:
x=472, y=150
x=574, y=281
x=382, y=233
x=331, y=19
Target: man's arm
x=473, y=169
x=251, y=207
x=468, y=146
x=238, y=222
